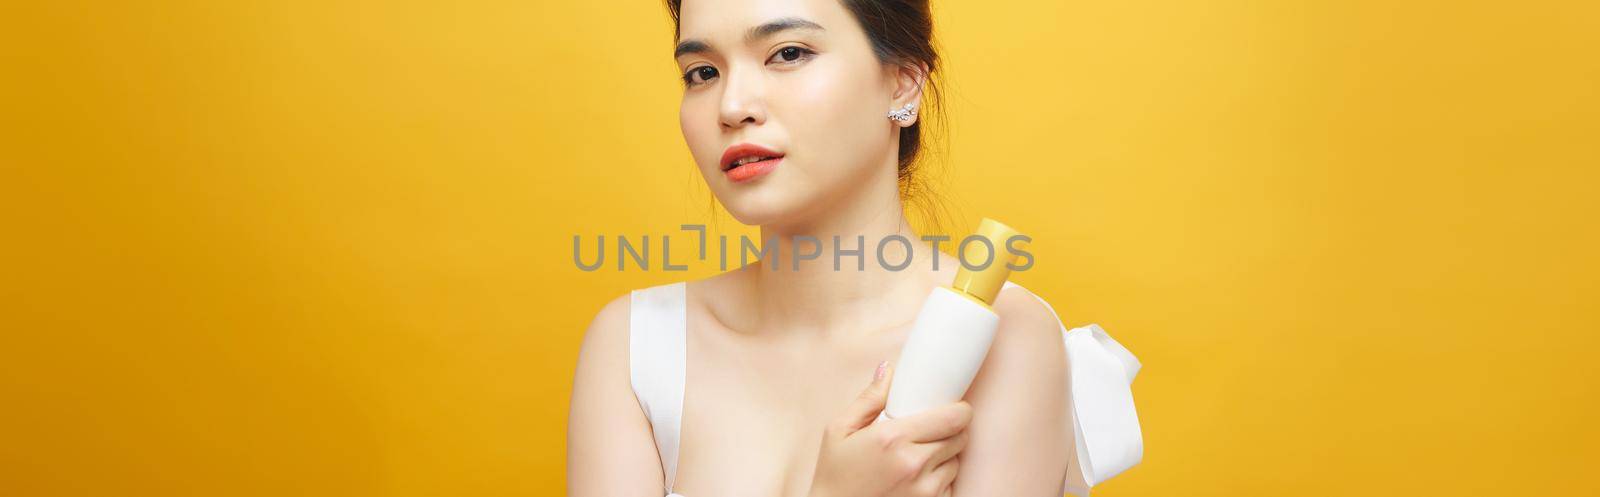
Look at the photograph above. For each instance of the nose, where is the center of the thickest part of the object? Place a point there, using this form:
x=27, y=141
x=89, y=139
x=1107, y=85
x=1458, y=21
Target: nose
x=743, y=99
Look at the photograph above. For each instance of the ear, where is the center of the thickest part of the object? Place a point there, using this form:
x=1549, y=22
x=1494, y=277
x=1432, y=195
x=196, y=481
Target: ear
x=908, y=81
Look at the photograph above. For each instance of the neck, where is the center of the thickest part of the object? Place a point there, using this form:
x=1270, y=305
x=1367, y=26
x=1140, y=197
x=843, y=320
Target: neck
x=812, y=295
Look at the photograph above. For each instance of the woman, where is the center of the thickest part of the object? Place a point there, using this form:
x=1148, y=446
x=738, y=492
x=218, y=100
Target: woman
x=803, y=117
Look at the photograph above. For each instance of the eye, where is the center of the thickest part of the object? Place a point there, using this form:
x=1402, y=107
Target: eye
x=699, y=75
x=790, y=54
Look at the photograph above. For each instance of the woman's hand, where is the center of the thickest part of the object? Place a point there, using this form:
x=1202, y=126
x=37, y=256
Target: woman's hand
x=914, y=456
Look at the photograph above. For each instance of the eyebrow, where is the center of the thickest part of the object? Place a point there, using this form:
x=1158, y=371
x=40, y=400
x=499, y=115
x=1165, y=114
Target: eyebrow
x=764, y=30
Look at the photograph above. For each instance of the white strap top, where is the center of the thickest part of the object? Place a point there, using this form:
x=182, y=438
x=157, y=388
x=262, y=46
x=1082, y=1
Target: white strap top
x=657, y=339
x=1105, y=425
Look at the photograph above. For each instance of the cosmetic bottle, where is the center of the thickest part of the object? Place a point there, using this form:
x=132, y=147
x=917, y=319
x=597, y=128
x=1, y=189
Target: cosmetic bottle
x=953, y=331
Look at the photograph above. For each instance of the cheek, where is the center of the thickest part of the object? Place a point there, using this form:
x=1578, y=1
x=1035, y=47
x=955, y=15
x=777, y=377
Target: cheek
x=834, y=120
x=699, y=125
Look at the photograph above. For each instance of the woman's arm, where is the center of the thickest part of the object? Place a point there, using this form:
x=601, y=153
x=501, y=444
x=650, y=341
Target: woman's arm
x=1020, y=442
x=610, y=448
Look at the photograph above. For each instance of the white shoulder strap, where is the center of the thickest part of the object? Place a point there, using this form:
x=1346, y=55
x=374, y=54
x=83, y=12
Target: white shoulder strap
x=1105, y=425
x=657, y=331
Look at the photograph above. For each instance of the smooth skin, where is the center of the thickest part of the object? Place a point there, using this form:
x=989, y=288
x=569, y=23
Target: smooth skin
x=780, y=393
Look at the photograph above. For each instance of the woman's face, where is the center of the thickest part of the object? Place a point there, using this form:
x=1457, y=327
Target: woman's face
x=791, y=79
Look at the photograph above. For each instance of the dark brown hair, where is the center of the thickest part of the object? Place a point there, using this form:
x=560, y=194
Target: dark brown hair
x=901, y=32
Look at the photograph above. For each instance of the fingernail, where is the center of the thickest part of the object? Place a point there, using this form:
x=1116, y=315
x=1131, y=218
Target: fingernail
x=878, y=375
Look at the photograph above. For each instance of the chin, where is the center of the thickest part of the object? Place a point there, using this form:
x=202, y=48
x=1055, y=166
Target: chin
x=763, y=204
x=755, y=213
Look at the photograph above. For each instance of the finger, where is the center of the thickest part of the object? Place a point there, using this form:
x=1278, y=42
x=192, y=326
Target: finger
x=866, y=407
x=945, y=450
x=942, y=478
x=938, y=423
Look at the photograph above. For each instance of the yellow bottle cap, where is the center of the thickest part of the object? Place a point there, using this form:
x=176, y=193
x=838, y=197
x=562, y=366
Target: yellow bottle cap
x=985, y=284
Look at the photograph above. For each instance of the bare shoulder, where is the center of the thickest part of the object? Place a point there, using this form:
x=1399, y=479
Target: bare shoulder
x=1017, y=302
x=1027, y=362
x=1027, y=324
x=607, y=334
x=1019, y=433
x=609, y=446
x=603, y=356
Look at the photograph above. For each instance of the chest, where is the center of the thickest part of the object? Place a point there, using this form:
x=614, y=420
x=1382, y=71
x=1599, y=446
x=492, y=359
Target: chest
x=755, y=406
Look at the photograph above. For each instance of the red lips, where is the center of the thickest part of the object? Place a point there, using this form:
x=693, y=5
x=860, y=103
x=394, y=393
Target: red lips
x=746, y=161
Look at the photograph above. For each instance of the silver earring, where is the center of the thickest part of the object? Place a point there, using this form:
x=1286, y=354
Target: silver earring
x=904, y=114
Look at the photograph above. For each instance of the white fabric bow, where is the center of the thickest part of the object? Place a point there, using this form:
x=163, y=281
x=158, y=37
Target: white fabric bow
x=1105, y=425
x=1104, y=422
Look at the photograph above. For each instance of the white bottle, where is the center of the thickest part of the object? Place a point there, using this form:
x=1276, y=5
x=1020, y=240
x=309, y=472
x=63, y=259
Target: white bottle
x=953, y=331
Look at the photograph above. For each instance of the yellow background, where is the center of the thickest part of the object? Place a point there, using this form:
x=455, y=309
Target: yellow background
x=324, y=248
